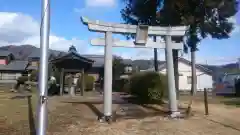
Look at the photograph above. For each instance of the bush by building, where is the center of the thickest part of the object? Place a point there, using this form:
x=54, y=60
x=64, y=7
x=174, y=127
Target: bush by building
x=88, y=82
x=21, y=81
x=237, y=88
x=120, y=84
x=34, y=76
x=148, y=86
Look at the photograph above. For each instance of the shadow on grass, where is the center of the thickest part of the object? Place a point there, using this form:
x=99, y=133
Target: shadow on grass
x=230, y=99
x=136, y=100
x=94, y=109
x=225, y=125
x=235, y=102
x=127, y=108
x=31, y=117
x=32, y=129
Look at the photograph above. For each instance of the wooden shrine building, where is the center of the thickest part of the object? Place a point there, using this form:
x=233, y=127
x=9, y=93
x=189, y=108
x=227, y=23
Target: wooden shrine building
x=73, y=63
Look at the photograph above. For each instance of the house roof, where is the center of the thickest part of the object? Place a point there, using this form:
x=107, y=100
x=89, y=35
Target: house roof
x=31, y=67
x=72, y=55
x=147, y=65
x=15, y=66
x=200, y=67
x=98, y=60
x=127, y=61
x=37, y=53
x=5, y=53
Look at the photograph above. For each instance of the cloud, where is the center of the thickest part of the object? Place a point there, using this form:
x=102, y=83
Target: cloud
x=235, y=23
x=16, y=27
x=93, y=5
x=19, y=29
x=79, y=10
x=100, y=3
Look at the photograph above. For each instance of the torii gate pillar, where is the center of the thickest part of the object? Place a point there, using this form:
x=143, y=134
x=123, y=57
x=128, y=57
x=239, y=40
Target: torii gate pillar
x=173, y=105
x=108, y=76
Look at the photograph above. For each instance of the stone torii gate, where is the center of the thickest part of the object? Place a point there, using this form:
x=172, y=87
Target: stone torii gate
x=142, y=32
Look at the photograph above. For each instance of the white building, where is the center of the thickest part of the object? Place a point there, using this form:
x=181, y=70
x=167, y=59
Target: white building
x=204, y=75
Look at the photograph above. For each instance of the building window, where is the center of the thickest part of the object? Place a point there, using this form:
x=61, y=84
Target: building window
x=189, y=79
x=8, y=76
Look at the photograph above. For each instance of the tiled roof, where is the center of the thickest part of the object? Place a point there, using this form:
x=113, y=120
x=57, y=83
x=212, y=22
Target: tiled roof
x=15, y=66
x=37, y=53
x=73, y=55
x=98, y=60
x=32, y=67
x=4, y=53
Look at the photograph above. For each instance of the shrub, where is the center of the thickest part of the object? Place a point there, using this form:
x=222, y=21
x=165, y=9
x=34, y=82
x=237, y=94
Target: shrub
x=118, y=85
x=22, y=79
x=57, y=74
x=237, y=88
x=34, y=76
x=148, y=86
x=89, y=82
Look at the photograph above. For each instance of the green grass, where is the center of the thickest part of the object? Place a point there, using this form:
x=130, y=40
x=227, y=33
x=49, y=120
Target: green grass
x=232, y=102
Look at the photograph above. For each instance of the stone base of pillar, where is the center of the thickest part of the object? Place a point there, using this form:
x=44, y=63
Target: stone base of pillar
x=175, y=115
x=106, y=119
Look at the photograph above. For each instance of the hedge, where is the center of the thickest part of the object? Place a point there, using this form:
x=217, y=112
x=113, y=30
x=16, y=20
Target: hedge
x=237, y=88
x=89, y=82
x=120, y=84
x=22, y=79
x=34, y=76
x=148, y=86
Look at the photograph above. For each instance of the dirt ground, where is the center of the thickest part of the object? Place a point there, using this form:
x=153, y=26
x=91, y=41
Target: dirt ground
x=78, y=116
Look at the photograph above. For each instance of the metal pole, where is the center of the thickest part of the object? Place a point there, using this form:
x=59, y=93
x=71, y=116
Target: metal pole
x=170, y=75
x=44, y=43
x=108, y=76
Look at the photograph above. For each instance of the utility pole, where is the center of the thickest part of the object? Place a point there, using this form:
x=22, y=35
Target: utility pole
x=44, y=45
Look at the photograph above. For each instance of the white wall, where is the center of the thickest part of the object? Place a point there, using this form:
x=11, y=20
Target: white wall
x=9, y=76
x=203, y=80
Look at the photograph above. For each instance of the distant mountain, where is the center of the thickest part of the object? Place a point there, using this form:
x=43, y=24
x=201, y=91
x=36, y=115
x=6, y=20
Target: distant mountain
x=20, y=52
x=231, y=65
x=23, y=51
